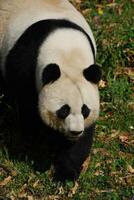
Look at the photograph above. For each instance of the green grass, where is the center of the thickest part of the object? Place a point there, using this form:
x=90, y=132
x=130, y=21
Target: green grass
x=110, y=174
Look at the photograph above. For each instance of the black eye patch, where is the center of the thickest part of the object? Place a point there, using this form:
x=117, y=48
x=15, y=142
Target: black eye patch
x=85, y=111
x=63, y=112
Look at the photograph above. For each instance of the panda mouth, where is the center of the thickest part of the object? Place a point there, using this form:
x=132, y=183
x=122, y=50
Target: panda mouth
x=71, y=138
x=74, y=137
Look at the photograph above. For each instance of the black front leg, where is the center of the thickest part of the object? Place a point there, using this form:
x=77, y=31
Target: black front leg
x=69, y=162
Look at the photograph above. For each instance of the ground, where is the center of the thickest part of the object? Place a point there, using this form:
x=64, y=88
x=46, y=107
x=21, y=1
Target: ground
x=110, y=173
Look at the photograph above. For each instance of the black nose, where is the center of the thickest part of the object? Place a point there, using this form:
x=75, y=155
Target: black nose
x=76, y=132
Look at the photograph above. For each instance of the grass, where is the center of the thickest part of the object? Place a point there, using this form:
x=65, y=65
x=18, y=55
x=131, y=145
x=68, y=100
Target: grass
x=110, y=175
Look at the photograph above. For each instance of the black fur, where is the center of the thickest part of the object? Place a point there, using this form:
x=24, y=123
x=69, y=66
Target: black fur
x=85, y=111
x=50, y=73
x=63, y=112
x=20, y=85
x=93, y=73
x=1, y=84
x=68, y=156
x=22, y=59
x=69, y=162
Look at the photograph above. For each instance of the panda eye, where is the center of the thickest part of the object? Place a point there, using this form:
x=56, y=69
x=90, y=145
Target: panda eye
x=63, y=112
x=85, y=111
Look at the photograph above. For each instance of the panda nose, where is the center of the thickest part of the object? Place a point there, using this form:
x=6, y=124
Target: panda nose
x=76, y=132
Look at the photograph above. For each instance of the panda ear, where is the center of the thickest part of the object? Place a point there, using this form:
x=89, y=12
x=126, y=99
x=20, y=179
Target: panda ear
x=50, y=73
x=93, y=73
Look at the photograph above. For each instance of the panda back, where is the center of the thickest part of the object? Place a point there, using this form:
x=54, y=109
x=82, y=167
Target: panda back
x=23, y=14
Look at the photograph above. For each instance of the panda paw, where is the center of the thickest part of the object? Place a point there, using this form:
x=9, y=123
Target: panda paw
x=66, y=171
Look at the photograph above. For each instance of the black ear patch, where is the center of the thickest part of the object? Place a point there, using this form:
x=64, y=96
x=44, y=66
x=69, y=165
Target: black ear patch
x=50, y=73
x=93, y=73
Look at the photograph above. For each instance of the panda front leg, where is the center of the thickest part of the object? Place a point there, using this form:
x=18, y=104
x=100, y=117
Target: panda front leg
x=69, y=163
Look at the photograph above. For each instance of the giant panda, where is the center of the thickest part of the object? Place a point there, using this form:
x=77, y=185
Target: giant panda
x=48, y=64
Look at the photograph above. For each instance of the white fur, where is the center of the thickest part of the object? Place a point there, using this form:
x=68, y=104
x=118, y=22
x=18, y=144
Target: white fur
x=53, y=96
x=23, y=13
x=69, y=49
x=74, y=122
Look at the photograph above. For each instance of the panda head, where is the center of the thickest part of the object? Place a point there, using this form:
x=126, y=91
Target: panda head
x=69, y=105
